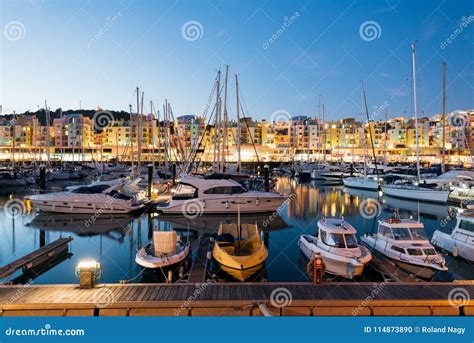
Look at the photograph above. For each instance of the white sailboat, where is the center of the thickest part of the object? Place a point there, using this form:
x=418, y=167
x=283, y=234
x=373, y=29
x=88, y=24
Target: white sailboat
x=416, y=191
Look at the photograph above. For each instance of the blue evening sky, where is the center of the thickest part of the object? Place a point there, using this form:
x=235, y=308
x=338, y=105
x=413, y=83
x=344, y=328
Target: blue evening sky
x=97, y=52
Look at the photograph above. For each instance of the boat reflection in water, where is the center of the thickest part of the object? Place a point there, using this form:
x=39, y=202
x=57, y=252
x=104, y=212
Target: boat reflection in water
x=211, y=223
x=84, y=224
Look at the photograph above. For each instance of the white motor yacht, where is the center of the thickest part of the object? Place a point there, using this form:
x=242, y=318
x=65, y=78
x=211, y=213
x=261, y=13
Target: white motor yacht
x=196, y=196
x=461, y=240
x=405, y=242
x=337, y=243
x=99, y=197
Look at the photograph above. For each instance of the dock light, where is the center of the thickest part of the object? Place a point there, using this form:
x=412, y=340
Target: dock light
x=88, y=271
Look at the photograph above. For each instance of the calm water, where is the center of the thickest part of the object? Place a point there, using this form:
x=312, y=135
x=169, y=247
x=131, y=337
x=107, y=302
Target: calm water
x=113, y=240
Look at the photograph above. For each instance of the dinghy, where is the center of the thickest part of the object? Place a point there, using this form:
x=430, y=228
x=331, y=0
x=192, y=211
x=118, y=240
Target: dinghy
x=166, y=251
x=239, y=250
x=337, y=243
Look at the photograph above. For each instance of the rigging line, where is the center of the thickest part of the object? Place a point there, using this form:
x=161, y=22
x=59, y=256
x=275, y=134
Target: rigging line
x=370, y=130
x=197, y=144
x=207, y=128
x=242, y=102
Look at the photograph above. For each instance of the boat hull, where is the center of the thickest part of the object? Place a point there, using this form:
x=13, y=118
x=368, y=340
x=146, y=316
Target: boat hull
x=152, y=262
x=456, y=248
x=93, y=204
x=420, y=270
x=347, y=268
x=416, y=193
x=222, y=205
x=365, y=184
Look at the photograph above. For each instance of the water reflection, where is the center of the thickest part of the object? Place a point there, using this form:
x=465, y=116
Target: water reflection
x=114, y=240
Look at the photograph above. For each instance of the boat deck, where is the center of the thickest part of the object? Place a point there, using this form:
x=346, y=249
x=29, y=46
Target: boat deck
x=378, y=299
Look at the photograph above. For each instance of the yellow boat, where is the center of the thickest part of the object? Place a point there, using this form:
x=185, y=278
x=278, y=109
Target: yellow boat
x=239, y=252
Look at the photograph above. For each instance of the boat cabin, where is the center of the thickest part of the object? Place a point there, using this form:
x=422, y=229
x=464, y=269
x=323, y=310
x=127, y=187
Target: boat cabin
x=464, y=230
x=193, y=187
x=337, y=233
x=405, y=236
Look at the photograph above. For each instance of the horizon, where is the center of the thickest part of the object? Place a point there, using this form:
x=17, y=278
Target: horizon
x=286, y=54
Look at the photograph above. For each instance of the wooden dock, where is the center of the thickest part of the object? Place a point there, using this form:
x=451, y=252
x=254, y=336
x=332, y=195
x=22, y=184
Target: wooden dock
x=199, y=268
x=36, y=258
x=241, y=299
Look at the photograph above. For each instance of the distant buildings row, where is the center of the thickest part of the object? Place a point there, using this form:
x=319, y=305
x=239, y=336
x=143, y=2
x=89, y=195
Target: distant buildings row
x=78, y=137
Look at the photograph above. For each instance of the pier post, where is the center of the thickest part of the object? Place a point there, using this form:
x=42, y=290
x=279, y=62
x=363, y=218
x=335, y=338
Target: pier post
x=267, y=177
x=174, y=174
x=150, y=180
x=42, y=177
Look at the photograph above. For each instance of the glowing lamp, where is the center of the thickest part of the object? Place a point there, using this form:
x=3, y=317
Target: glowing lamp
x=88, y=271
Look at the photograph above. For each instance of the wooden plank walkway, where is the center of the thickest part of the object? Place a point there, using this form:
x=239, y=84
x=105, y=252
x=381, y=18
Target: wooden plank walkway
x=36, y=257
x=239, y=298
x=199, y=268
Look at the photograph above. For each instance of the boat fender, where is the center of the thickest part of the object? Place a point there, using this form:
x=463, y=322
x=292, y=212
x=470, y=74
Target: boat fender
x=257, y=202
x=455, y=251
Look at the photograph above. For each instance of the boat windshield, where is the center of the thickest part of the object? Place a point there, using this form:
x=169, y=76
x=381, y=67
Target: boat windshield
x=351, y=240
x=466, y=225
x=401, y=234
x=91, y=189
x=184, y=191
x=333, y=239
x=418, y=234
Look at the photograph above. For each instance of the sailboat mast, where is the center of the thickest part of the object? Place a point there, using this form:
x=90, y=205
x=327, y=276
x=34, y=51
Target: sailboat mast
x=415, y=107
x=152, y=132
x=226, y=133
x=443, y=150
x=131, y=133
x=238, y=122
x=48, y=133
